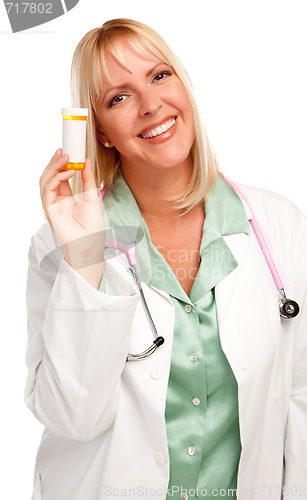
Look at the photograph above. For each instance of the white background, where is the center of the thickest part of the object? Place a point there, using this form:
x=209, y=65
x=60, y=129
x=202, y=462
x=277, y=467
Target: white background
x=247, y=60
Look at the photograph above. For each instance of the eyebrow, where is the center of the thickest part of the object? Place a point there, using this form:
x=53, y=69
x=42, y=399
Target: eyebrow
x=126, y=85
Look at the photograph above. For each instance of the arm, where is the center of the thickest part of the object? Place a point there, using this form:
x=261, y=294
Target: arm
x=77, y=345
x=296, y=429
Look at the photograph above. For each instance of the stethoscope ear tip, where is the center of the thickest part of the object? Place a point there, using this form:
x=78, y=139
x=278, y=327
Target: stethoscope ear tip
x=288, y=309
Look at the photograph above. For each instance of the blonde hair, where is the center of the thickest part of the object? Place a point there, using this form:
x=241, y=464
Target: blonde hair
x=89, y=62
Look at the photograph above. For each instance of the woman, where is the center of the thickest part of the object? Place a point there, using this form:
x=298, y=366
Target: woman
x=220, y=407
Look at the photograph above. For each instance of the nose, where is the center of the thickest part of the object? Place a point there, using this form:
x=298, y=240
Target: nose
x=149, y=103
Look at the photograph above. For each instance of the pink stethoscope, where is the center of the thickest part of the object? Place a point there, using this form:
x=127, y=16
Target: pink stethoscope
x=287, y=308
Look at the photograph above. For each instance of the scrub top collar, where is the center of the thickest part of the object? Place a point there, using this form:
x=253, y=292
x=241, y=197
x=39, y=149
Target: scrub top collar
x=225, y=214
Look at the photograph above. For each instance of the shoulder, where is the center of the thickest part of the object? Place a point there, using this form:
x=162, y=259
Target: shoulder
x=272, y=206
x=259, y=194
x=281, y=222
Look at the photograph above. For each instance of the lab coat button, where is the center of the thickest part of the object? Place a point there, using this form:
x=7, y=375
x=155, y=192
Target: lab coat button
x=196, y=401
x=191, y=451
x=156, y=372
x=187, y=308
x=159, y=457
x=184, y=496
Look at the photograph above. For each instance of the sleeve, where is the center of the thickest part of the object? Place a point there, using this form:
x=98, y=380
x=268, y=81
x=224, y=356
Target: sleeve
x=77, y=345
x=295, y=451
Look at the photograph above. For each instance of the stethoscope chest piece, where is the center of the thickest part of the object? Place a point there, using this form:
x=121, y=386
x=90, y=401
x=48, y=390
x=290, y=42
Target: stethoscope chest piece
x=288, y=308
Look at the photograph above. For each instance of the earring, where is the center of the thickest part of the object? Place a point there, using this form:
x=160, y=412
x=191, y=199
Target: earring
x=107, y=144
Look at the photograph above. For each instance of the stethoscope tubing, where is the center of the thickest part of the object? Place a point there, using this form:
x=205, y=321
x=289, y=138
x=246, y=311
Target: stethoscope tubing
x=259, y=236
x=287, y=308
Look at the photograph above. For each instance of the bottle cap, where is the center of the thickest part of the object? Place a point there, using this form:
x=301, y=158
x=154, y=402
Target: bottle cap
x=74, y=111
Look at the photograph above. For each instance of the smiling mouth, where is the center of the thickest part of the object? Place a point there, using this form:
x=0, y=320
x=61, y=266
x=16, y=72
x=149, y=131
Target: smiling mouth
x=159, y=130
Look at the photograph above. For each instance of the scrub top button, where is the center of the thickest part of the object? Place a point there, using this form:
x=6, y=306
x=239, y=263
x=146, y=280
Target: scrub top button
x=196, y=401
x=193, y=357
x=187, y=308
x=191, y=451
x=184, y=496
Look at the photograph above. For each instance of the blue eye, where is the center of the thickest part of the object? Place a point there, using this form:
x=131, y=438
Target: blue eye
x=117, y=99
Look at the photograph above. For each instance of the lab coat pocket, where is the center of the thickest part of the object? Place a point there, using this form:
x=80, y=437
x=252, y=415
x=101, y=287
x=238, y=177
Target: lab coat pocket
x=37, y=493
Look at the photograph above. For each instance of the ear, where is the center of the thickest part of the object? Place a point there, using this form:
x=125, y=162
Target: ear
x=104, y=139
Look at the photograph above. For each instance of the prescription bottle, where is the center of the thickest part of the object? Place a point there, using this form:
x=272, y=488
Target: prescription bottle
x=74, y=136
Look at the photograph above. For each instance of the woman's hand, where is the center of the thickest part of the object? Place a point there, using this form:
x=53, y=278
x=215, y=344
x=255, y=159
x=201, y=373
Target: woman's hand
x=77, y=221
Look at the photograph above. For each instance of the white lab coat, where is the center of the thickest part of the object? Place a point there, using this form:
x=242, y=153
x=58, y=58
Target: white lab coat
x=105, y=431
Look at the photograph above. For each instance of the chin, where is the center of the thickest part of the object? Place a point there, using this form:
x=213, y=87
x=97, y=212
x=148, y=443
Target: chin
x=174, y=160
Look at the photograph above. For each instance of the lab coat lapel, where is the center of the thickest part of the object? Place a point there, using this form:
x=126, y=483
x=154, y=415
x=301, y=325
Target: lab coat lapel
x=247, y=307
x=238, y=245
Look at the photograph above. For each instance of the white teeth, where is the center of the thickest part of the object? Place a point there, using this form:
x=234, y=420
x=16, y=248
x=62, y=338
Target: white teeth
x=159, y=130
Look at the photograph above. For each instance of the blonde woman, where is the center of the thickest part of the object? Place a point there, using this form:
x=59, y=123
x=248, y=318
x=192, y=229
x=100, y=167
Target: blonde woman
x=158, y=360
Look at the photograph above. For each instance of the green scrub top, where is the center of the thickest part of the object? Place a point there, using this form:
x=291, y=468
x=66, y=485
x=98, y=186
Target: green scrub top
x=201, y=411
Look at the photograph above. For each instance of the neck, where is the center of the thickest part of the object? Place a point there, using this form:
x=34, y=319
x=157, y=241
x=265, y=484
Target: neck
x=153, y=188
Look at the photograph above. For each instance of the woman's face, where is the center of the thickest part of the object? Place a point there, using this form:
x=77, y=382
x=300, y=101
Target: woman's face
x=145, y=112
